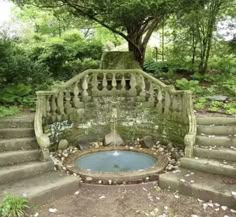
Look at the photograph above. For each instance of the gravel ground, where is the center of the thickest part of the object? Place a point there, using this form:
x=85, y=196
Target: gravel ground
x=140, y=200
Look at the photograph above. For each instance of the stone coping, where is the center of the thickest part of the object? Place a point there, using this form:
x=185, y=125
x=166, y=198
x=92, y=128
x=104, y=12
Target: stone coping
x=117, y=177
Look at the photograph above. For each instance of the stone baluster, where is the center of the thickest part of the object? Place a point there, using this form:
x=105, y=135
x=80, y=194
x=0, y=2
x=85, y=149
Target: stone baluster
x=67, y=102
x=76, y=91
x=133, y=91
x=167, y=102
x=142, y=94
x=60, y=104
x=151, y=99
x=48, y=106
x=160, y=103
x=123, y=85
x=54, y=107
x=104, y=84
x=43, y=105
x=85, y=89
x=114, y=83
x=174, y=107
x=95, y=84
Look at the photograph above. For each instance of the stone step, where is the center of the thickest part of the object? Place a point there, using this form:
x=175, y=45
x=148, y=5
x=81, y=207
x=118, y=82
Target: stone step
x=203, y=120
x=215, y=153
x=10, y=133
x=16, y=123
x=210, y=166
x=224, y=141
x=216, y=130
x=43, y=188
x=201, y=185
x=22, y=171
x=14, y=157
x=18, y=144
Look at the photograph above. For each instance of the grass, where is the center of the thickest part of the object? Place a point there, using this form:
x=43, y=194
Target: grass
x=13, y=206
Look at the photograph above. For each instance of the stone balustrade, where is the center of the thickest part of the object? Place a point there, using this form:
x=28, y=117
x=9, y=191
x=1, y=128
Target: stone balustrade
x=170, y=111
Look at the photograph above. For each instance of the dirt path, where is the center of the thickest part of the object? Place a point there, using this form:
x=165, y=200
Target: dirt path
x=129, y=201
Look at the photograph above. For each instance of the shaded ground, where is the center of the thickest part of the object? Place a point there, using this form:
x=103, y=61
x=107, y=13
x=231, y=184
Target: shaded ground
x=129, y=201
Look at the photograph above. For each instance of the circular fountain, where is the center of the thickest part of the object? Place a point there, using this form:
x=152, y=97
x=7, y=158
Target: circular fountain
x=119, y=164
x=115, y=161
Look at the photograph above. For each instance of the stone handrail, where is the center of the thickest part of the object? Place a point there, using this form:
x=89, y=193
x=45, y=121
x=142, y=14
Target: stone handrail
x=58, y=105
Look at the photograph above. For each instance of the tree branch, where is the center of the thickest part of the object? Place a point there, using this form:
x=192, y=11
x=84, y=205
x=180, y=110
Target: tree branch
x=152, y=27
x=94, y=18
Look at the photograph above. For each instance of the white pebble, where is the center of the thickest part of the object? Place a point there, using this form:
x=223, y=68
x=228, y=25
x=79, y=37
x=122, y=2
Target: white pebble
x=234, y=193
x=233, y=210
x=52, y=210
x=224, y=207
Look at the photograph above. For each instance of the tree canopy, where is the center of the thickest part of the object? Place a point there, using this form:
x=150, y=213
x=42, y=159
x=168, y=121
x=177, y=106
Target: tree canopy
x=135, y=21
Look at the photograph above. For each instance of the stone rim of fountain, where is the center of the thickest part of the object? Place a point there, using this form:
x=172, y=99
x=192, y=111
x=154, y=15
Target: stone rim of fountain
x=118, y=177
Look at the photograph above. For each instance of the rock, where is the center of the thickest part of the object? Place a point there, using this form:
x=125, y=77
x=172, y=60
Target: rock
x=63, y=144
x=89, y=179
x=113, y=138
x=147, y=142
x=219, y=98
x=176, y=154
x=169, y=146
x=173, y=161
x=84, y=146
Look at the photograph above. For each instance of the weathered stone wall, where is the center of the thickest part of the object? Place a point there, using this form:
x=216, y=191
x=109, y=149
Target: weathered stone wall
x=134, y=120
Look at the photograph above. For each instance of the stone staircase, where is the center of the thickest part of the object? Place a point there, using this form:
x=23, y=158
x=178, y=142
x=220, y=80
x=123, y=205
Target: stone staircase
x=21, y=171
x=211, y=173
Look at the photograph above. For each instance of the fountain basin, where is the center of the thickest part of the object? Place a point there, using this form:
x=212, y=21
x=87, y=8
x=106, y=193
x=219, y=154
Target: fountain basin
x=119, y=164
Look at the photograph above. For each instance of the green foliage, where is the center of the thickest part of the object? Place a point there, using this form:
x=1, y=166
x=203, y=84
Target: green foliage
x=66, y=56
x=16, y=66
x=156, y=67
x=215, y=106
x=184, y=84
x=13, y=206
x=200, y=103
x=8, y=111
x=230, y=108
x=230, y=86
x=16, y=94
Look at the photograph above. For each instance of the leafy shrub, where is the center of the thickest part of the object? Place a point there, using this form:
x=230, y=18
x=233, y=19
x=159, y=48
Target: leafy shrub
x=66, y=56
x=8, y=111
x=12, y=206
x=156, y=67
x=230, y=86
x=16, y=66
x=200, y=103
x=215, y=106
x=184, y=84
x=230, y=108
x=14, y=94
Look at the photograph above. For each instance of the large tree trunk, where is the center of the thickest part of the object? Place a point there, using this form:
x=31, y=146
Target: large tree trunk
x=139, y=53
x=135, y=45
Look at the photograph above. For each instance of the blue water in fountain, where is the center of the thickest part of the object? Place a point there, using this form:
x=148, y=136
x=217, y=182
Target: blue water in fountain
x=115, y=161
